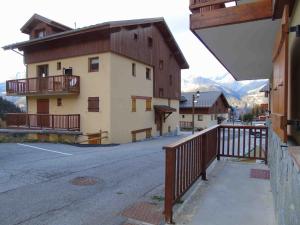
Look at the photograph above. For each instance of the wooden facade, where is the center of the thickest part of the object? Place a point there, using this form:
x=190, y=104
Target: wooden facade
x=219, y=107
x=147, y=41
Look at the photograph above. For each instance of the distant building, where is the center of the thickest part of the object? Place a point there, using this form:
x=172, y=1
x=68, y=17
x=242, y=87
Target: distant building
x=122, y=77
x=211, y=107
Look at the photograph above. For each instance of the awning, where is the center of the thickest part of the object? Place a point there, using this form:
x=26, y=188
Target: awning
x=164, y=109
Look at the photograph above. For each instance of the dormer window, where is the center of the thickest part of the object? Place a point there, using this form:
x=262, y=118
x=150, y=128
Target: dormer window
x=40, y=33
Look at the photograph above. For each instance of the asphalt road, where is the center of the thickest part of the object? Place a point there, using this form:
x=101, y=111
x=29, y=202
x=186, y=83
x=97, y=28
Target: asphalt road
x=35, y=187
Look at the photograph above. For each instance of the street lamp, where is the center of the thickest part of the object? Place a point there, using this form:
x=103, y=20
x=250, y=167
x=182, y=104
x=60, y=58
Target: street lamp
x=193, y=110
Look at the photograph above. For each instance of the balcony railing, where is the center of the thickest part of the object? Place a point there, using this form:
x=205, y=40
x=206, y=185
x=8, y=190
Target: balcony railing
x=49, y=85
x=188, y=159
x=212, y=13
x=43, y=121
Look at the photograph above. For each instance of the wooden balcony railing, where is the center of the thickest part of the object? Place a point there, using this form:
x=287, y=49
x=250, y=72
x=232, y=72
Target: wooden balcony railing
x=49, y=85
x=212, y=13
x=43, y=121
x=188, y=159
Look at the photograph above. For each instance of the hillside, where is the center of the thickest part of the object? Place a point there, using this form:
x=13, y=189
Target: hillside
x=19, y=101
x=7, y=107
x=238, y=93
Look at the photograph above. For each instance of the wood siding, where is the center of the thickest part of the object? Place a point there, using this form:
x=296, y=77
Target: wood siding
x=68, y=47
x=280, y=78
x=131, y=43
x=124, y=43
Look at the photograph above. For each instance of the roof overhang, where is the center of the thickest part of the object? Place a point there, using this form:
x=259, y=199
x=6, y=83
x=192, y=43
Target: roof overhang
x=244, y=49
x=240, y=37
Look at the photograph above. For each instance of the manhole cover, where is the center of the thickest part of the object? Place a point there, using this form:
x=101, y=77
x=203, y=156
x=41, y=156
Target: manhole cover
x=84, y=181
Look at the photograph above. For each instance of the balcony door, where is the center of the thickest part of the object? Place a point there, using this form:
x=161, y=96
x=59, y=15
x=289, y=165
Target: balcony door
x=43, y=119
x=42, y=72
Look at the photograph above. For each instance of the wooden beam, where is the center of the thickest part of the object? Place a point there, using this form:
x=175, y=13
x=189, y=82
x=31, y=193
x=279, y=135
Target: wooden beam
x=279, y=6
x=201, y=4
x=226, y=16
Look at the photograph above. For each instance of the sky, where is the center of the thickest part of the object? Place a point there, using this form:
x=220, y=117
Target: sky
x=15, y=13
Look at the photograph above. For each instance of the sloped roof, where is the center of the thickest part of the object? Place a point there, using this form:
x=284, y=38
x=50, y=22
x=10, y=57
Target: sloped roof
x=265, y=88
x=159, y=22
x=36, y=18
x=205, y=99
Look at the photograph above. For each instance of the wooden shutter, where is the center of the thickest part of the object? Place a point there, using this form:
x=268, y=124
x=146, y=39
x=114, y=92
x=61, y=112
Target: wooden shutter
x=148, y=104
x=133, y=104
x=280, y=78
x=93, y=104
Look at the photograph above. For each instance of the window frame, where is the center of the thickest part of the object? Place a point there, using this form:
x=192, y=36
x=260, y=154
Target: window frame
x=148, y=73
x=149, y=104
x=59, y=102
x=200, y=117
x=133, y=69
x=91, y=70
x=58, y=66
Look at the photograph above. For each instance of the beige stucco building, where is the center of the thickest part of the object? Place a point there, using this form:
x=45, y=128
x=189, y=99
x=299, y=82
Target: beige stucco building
x=121, y=78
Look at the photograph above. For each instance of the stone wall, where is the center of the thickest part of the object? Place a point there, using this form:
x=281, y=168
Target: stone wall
x=285, y=181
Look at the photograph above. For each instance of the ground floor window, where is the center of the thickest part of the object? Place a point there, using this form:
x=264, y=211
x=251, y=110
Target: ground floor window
x=200, y=117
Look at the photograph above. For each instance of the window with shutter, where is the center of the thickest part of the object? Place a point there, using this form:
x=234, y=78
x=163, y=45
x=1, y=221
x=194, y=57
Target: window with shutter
x=93, y=104
x=148, y=104
x=280, y=79
x=133, y=104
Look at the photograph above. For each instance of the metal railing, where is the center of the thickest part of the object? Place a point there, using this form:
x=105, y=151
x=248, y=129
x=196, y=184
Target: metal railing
x=67, y=84
x=188, y=159
x=43, y=121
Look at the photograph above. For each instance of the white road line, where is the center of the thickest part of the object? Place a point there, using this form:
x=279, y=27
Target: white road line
x=43, y=149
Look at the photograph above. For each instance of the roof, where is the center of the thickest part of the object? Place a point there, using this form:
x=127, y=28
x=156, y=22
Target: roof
x=38, y=18
x=164, y=108
x=159, y=21
x=205, y=99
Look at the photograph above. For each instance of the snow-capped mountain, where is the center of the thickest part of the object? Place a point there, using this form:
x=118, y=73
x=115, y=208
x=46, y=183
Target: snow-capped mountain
x=239, y=93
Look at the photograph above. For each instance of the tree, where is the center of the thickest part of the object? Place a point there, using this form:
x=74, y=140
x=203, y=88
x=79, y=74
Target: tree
x=8, y=107
x=248, y=117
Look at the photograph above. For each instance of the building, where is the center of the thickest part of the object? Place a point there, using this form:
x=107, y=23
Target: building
x=211, y=108
x=121, y=77
x=261, y=40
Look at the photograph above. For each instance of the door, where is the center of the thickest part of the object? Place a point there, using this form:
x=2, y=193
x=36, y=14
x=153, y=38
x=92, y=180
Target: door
x=43, y=118
x=280, y=78
x=42, y=72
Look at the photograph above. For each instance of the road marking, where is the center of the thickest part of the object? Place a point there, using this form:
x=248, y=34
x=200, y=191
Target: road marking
x=43, y=149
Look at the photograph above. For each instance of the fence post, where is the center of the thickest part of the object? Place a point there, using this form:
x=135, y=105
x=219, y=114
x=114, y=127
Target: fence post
x=267, y=140
x=203, y=158
x=218, y=135
x=169, y=184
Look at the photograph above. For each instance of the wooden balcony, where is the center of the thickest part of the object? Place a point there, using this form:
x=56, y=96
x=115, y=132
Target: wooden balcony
x=43, y=121
x=213, y=13
x=49, y=85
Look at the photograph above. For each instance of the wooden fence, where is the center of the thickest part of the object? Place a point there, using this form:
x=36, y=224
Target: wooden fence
x=188, y=159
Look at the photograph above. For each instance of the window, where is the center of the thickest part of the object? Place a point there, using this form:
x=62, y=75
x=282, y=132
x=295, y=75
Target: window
x=59, y=102
x=148, y=104
x=211, y=117
x=169, y=129
x=170, y=80
x=150, y=42
x=182, y=116
x=133, y=105
x=200, y=117
x=161, y=92
x=133, y=69
x=148, y=74
x=93, y=104
x=216, y=116
x=94, y=64
x=40, y=33
x=161, y=64
x=135, y=36
x=169, y=102
x=58, y=66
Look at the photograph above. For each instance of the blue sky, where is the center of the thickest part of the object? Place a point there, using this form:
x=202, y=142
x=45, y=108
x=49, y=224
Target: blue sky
x=176, y=13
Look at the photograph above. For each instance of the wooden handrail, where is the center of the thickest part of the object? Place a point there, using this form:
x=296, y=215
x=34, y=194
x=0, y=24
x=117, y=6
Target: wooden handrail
x=194, y=4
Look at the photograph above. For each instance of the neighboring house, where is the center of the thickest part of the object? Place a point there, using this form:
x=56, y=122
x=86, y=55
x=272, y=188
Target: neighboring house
x=260, y=40
x=266, y=105
x=122, y=77
x=211, y=107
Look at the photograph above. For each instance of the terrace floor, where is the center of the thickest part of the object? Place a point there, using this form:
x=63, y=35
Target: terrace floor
x=231, y=196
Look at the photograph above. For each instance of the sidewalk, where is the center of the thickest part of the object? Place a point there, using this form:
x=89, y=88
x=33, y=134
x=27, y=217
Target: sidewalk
x=231, y=197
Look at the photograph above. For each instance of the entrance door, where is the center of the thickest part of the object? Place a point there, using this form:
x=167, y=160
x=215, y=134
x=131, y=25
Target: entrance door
x=42, y=72
x=43, y=119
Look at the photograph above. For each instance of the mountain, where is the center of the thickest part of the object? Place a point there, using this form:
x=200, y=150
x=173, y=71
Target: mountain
x=240, y=93
x=18, y=101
